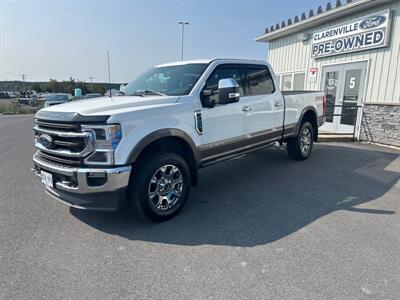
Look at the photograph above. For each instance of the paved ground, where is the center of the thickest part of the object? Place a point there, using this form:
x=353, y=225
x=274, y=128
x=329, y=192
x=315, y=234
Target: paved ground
x=261, y=226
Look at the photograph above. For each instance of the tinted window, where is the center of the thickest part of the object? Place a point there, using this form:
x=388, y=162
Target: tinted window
x=259, y=81
x=222, y=72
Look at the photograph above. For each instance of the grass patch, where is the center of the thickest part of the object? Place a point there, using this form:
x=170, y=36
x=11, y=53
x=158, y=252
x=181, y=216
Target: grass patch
x=16, y=109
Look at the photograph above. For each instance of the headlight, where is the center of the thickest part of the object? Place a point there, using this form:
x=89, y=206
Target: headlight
x=106, y=139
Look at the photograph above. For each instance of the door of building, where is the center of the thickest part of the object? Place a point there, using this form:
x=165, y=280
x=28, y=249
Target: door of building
x=344, y=88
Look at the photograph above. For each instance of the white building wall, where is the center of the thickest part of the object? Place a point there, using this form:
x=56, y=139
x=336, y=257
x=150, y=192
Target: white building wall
x=288, y=54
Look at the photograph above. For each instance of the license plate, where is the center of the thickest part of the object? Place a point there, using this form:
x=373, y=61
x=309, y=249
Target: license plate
x=47, y=178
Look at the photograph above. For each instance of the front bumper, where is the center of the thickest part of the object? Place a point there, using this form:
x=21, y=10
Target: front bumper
x=86, y=188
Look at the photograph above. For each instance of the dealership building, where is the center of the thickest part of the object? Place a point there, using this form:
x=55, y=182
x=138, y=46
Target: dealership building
x=351, y=51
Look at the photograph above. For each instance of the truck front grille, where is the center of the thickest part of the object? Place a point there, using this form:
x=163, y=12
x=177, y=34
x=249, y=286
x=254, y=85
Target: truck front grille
x=63, y=143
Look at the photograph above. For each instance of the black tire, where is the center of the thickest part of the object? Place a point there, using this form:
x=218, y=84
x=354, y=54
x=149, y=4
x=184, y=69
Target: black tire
x=300, y=147
x=141, y=187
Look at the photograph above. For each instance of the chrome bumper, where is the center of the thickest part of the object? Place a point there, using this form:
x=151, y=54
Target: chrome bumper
x=116, y=178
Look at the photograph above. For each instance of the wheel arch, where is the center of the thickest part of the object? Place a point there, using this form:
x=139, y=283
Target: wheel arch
x=172, y=140
x=309, y=114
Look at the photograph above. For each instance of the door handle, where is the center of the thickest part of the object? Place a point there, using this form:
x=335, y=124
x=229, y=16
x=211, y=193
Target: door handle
x=278, y=104
x=247, y=108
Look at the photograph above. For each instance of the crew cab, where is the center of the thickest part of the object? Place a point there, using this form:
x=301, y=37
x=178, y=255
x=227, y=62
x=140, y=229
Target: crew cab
x=146, y=145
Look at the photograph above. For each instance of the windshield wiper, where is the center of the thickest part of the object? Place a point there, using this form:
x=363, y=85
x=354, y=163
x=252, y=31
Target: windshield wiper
x=146, y=92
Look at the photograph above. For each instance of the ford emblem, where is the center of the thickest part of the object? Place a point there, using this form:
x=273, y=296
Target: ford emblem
x=46, y=141
x=372, y=22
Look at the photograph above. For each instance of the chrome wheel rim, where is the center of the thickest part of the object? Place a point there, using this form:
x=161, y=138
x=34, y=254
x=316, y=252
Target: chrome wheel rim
x=165, y=187
x=305, y=141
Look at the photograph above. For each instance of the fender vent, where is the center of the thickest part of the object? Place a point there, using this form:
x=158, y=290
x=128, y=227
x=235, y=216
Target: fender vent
x=198, y=122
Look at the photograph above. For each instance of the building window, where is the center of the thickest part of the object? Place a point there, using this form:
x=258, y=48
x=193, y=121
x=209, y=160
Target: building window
x=292, y=81
x=278, y=80
x=287, y=82
x=299, y=80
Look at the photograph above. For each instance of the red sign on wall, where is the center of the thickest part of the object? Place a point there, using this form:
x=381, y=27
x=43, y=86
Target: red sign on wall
x=312, y=74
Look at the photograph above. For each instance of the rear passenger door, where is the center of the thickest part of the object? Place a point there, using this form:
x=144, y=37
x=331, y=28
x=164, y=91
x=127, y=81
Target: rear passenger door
x=263, y=104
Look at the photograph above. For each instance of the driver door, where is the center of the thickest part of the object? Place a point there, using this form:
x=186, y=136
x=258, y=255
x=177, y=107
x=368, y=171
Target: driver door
x=223, y=123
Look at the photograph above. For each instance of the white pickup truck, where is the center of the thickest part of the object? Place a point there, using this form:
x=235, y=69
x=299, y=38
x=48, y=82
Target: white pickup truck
x=145, y=146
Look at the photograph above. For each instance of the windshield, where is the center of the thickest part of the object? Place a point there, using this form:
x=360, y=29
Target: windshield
x=57, y=98
x=170, y=80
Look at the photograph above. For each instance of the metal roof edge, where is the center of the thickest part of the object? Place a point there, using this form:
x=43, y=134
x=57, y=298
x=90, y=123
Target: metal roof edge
x=324, y=17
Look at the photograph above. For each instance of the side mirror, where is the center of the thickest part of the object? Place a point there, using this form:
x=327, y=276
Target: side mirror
x=228, y=91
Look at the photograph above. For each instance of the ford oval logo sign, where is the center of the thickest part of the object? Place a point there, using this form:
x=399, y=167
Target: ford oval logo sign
x=372, y=22
x=46, y=141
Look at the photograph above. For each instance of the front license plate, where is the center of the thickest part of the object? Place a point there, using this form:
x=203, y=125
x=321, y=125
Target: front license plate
x=47, y=179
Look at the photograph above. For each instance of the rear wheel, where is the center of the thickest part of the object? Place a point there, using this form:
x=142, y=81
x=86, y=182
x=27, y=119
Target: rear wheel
x=300, y=147
x=161, y=186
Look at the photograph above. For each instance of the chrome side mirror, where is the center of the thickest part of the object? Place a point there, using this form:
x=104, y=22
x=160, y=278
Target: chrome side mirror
x=228, y=91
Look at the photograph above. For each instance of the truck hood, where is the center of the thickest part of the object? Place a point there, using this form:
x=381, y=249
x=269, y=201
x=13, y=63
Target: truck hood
x=109, y=105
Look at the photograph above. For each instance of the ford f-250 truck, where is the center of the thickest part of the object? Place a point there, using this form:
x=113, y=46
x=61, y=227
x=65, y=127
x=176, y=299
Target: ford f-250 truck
x=146, y=145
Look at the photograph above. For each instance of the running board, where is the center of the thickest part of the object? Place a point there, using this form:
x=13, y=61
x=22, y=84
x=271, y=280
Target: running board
x=231, y=156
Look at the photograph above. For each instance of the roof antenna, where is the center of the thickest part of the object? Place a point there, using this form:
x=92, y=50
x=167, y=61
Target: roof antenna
x=109, y=76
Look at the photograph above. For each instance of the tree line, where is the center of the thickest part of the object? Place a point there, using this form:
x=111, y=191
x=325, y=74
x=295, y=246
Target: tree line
x=54, y=86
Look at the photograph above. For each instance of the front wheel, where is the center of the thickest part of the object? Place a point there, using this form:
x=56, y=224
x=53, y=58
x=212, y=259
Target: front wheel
x=160, y=187
x=300, y=147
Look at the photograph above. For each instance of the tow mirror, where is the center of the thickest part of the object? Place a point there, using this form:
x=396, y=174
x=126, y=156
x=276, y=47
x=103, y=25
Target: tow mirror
x=228, y=91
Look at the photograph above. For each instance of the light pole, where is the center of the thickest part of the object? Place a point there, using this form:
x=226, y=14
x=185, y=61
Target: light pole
x=109, y=74
x=183, y=23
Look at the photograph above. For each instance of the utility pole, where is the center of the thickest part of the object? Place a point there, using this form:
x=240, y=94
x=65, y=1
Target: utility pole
x=109, y=74
x=91, y=82
x=182, y=23
x=23, y=76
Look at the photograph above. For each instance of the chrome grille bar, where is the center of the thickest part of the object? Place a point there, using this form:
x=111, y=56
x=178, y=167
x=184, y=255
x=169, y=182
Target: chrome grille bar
x=65, y=134
x=87, y=150
x=66, y=143
x=56, y=159
x=62, y=126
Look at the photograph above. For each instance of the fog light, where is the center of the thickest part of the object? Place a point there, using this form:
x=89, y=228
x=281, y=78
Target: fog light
x=96, y=178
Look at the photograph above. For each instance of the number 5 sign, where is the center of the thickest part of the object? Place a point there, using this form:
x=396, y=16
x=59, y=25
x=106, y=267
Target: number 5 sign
x=352, y=83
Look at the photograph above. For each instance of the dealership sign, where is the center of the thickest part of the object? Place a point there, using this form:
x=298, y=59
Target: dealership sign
x=368, y=32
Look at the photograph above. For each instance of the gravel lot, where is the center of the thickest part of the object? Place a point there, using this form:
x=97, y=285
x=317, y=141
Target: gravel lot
x=261, y=226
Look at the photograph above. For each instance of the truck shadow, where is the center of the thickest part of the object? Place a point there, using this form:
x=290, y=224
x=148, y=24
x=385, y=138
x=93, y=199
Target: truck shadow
x=263, y=197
